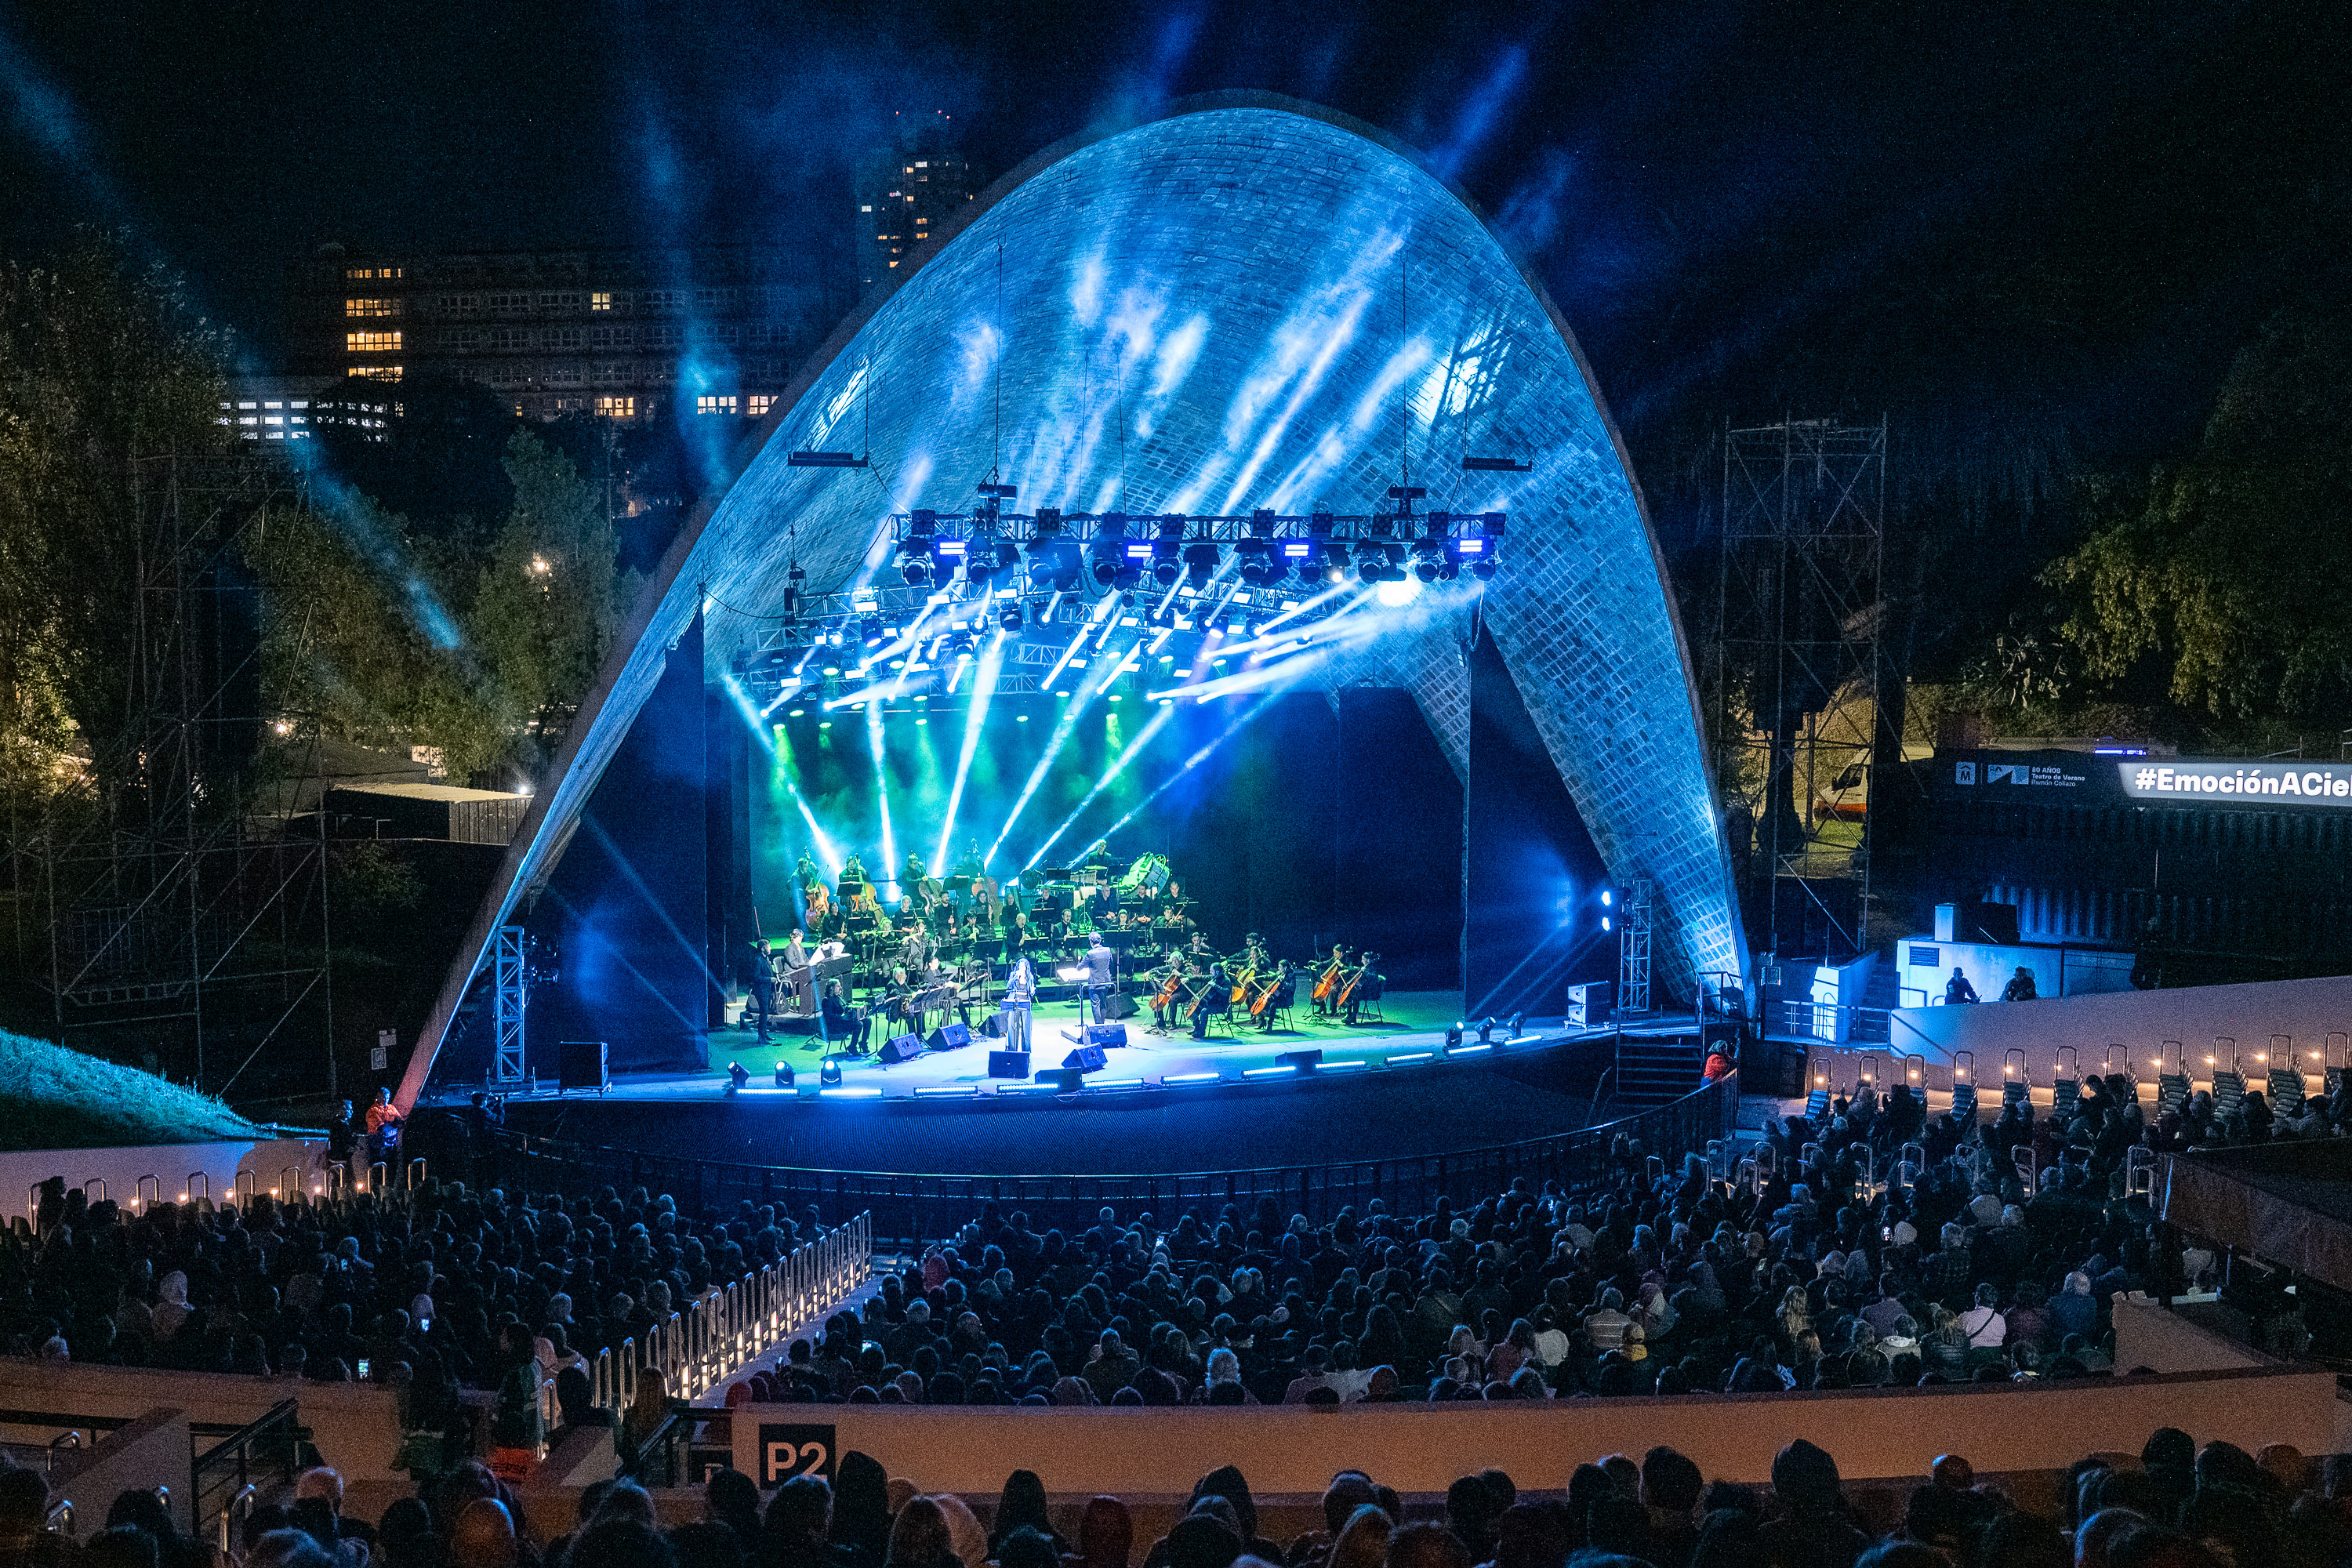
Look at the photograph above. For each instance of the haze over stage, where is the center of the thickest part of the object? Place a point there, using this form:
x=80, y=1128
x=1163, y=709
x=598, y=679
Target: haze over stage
x=1245, y=304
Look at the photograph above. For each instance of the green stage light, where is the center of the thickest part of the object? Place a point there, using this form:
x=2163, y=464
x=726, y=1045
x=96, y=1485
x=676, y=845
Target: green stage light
x=920, y=723
x=798, y=712
x=1021, y=719
x=824, y=724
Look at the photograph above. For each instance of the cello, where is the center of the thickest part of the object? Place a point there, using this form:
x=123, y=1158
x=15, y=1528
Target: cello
x=1264, y=999
x=1331, y=977
x=1346, y=993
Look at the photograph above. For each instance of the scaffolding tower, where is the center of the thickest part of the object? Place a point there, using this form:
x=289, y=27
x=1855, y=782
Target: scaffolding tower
x=1797, y=669
x=184, y=891
x=1633, y=949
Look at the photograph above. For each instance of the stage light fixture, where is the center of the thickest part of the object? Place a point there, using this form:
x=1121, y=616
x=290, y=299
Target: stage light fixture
x=1452, y=1036
x=1429, y=551
x=1009, y=617
x=1201, y=563
x=738, y=1075
x=828, y=1074
x=1053, y=561
x=783, y=1075
x=1486, y=1030
x=948, y=552
x=1517, y=1019
x=872, y=631
x=1107, y=553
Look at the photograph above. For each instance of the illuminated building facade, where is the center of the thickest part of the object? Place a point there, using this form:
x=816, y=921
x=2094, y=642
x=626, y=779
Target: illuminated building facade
x=624, y=335
x=1249, y=303
x=907, y=193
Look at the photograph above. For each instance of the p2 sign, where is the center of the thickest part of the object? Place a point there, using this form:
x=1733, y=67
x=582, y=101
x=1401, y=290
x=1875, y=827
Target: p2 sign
x=789, y=1448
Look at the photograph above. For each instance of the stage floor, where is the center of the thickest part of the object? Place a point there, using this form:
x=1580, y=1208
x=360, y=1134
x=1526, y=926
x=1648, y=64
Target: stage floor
x=1412, y=1031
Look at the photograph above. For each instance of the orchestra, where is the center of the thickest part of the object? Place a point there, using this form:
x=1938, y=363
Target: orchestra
x=854, y=974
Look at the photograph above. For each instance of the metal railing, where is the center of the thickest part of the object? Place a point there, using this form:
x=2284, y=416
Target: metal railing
x=225, y=1479
x=907, y=1206
x=730, y=1324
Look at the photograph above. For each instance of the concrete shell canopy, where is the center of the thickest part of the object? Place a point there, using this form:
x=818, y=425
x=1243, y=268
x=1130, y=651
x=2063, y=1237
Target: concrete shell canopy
x=1269, y=299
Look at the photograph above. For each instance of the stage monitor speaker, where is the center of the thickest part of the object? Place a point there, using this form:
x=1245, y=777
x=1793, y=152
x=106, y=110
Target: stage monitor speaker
x=950, y=1036
x=1119, y=1005
x=1588, y=1005
x=1008, y=1064
x=993, y=1025
x=1304, y=1061
x=901, y=1048
x=1065, y=1080
x=1085, y=1059
x=580, y=1064
x=1106, y=1034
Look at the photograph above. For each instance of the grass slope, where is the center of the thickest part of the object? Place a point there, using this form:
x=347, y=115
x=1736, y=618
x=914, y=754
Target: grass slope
x=52, y=1098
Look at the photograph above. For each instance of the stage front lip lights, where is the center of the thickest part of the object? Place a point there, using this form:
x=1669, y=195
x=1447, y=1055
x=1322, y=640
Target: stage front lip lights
x=1270, y=1072
x=851, y=1091
x=1470, y=1050
x=1178, y=1079
x=1410, y=1059
x=947, y=1091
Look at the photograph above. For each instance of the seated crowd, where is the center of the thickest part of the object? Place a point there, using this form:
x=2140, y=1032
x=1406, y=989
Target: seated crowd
x=1656, y=1279
x=2175, y=1507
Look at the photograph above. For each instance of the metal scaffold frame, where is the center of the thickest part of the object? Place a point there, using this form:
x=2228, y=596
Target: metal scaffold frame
x=1633, y=949
x=1797, y=670
x=185, y=903
x=510, y=1000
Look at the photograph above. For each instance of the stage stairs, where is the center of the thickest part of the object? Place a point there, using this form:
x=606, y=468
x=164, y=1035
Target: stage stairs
x=1653, y=1071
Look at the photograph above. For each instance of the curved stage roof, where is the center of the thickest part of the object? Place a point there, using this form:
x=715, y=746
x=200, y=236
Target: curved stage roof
x=1269, y=296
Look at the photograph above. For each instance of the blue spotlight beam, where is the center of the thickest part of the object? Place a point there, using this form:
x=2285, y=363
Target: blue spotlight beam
x=1098, y=679
x=975, y=715
x=1158, y=722
x=873, y=743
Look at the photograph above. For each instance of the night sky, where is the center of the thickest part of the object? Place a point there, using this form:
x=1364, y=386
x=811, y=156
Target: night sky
x=2059, y=218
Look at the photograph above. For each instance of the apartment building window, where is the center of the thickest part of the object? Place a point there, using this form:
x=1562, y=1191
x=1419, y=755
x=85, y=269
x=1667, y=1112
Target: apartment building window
x=377, y=372
x=372, y=342
x=372, y=274
x=563, y=375
x=509, y=338
x=463, y=338
x=463, y=304
x=758, y=403
x=617, y=407
x=371, y=306
x=666, y=298
x=601, y=300
x=610, y=337
x=709, y=403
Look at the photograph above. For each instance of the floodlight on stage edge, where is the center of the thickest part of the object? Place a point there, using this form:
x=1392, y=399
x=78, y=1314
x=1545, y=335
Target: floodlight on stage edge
x=1452, y=1036
x=828, y=1073
x=738, y=1075
x=1486, y=1030
x=1517, y=1019
x=783, y=1075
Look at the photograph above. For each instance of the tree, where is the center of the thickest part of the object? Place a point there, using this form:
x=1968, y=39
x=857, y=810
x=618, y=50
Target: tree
x=2230, y=581
x=547, y=605
x=101, y=364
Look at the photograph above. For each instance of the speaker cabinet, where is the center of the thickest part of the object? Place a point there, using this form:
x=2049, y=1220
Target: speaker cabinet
x=949, y=1036
x=901, y=1048
x=1085, y=1059
x=1588, y=1005
x=1304, y=1061
x=1105, y=1036
x=1008, y=1064
x=580, y=1064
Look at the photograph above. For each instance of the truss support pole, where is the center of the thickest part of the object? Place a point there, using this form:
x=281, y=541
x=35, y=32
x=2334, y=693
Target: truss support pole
x=507, y=1002
x=1633, y=949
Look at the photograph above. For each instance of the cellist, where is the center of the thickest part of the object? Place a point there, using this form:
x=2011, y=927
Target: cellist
x=1327, y=984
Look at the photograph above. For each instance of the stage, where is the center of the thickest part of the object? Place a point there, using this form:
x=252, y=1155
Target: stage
x=1410, y=1033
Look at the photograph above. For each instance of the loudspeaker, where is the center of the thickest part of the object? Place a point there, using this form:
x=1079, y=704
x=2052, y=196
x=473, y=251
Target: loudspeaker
x=1304, y=1061
x=1065, y=1080
x=1119, y=1005
x=1588, y=1005
x=993, y=1025
x=901, y=1048
x=580, y=1064
x=1008, y=1064
x=1085, y=1059
x=948, y=1036
x=1106, y=1034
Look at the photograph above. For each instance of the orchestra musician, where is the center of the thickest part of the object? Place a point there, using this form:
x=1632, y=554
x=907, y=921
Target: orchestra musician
x=914, y=949
x=762, y=1001
x=845, y=1030
x=1167, y=984
x=1279, y=991
x=1365, y=985
x=792, y=967
x=1216, y=1000
x=1333, y=975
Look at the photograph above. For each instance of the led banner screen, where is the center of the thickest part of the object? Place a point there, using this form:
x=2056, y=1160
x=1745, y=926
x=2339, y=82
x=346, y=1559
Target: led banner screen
x=2090, y=778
